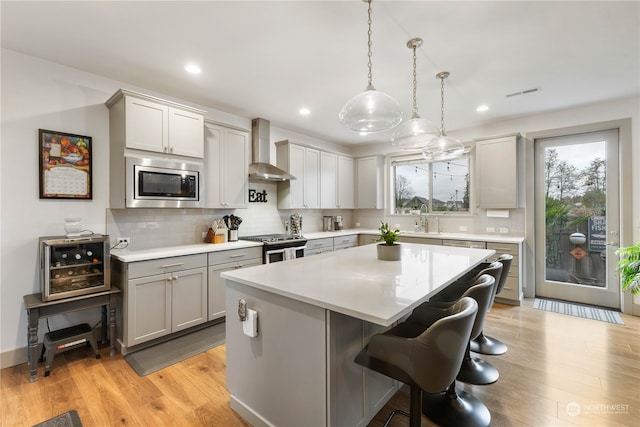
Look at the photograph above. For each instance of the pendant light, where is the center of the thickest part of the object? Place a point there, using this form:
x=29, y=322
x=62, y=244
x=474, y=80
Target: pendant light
x=370, y=111
x=443, y=147
x=417, y=132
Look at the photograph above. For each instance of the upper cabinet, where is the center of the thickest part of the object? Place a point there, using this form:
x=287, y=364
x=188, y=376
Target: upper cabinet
x=303, y=163
x=497, y=172
x=369, y=178
x=226, y=167
x=152, y=124
x=336, y=181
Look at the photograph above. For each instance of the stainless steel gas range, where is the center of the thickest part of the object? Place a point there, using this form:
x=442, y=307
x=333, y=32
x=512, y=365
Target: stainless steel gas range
x=280, y=247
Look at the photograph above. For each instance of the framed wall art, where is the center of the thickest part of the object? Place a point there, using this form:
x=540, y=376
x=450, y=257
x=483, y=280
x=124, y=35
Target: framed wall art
x=65, y=165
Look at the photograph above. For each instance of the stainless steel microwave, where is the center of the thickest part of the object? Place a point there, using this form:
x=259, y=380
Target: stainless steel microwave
x=156, y=183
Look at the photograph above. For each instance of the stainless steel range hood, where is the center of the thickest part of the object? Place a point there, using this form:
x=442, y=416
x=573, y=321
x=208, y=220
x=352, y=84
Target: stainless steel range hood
x=261, y=169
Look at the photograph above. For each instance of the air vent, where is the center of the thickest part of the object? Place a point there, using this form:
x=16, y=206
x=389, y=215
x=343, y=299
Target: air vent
x=524, y=92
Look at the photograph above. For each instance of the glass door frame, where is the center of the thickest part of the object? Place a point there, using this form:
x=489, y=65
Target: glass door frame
x=624, y=126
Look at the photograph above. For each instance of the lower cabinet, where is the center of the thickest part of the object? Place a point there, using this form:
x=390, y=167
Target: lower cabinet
x=330, y=244
x=225, y=261
x=356, y=394
x=367, y=239
x=318, y=246
x=163, y=296
x=345, y=242
x=512, y=291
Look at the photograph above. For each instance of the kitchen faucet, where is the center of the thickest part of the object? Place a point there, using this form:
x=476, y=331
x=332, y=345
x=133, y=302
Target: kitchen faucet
x=424, y=223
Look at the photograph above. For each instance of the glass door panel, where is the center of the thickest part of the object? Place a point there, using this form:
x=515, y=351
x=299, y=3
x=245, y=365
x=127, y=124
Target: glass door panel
x=577, y=218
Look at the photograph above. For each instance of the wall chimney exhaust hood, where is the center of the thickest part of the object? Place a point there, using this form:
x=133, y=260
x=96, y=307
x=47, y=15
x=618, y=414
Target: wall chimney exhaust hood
x=261, y=169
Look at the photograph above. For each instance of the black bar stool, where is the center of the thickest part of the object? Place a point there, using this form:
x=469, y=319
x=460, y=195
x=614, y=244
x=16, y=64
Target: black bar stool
x=427, y=358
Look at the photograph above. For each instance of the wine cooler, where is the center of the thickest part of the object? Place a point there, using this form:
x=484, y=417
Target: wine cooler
x=72, y=266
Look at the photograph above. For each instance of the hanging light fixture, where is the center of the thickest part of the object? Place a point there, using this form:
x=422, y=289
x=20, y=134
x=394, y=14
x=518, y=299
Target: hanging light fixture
x=370, y=111
x=417, y=132
x=443, y=147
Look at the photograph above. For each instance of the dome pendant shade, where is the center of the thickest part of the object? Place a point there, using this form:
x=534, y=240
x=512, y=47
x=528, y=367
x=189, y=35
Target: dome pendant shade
x=414, y=134
x=370, y=112
x=443, y=147
x=417, y=132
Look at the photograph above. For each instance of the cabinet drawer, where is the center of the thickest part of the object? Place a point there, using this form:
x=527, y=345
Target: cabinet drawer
x=421, y=240
x=233, y=255
x=317, y=251
x=506, y=248
x=326, y=243
x=348, y=241
x=166, y=265
x=510, y=290
x=367, y=239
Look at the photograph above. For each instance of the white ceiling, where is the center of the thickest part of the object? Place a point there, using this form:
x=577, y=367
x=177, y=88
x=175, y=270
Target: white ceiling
x=269, y=58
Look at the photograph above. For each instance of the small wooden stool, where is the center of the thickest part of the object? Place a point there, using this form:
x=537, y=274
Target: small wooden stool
x=66, y=339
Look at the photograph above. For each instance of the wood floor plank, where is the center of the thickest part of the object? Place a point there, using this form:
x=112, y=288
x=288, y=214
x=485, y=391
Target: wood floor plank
x=555, y=363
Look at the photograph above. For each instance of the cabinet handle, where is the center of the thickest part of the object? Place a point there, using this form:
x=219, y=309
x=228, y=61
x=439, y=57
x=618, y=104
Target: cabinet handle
x=507, y=288
x=173, y=265
x=237, y=266
x=237, y=256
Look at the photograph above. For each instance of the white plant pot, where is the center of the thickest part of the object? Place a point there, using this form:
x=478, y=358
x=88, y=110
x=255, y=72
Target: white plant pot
x=389, y=252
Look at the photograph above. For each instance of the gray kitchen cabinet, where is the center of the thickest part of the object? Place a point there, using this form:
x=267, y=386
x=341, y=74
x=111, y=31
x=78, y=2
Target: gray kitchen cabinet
x=497, y=172
x=345, y=242
x=346, y=184
x=369, y=179
x=143, y=122
x=159, y=297
x=224, y=261
x=318, y=246
x=303, y=163
x=336, y=181
x=226, y=152
x=512, y=292
x=421, y=240
x=367, y=239
x=357, y=393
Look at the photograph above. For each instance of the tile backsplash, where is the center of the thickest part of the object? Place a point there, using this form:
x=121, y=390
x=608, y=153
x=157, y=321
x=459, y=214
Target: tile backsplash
x=152, y=228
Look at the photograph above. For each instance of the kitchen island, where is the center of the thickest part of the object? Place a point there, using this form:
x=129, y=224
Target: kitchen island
x=314, y=315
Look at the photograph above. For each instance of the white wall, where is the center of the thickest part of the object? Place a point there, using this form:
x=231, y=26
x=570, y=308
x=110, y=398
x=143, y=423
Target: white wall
x=39, y=94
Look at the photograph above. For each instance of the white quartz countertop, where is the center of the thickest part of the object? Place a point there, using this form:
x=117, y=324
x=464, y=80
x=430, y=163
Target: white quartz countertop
x=126, y=255
x=355, y=283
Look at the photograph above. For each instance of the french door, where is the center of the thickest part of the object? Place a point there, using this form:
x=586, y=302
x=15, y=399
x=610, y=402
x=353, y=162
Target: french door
x=577, y=218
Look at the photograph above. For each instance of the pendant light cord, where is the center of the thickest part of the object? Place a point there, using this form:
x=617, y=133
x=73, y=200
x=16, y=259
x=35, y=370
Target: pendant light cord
x=415, y=84
x=442, y=75
x=369, y=43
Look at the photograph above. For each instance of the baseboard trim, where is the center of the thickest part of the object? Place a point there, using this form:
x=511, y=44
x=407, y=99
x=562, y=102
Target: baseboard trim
x=14, y=357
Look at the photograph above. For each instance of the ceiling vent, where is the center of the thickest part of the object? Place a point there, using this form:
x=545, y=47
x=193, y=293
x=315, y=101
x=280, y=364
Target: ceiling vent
x=524, y=92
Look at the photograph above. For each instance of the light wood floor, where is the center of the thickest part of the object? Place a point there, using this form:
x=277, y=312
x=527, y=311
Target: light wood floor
x=553, y=360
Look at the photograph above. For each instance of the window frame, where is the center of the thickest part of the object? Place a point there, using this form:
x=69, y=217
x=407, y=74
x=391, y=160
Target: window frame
x=403, y=158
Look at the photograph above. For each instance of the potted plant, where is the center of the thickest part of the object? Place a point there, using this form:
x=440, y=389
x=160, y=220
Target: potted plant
x=629, y=268
x=389, y=250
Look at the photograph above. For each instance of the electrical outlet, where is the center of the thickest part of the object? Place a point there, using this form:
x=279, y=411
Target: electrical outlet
x=204, y=234
x=462, y=228
x=504, y=229
x=491, y=229
x=357, y=224
x=125, y=240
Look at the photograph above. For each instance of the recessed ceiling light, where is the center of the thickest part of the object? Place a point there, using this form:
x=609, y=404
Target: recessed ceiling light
x=482, y=108
x=304, y=111
x=192, y=68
